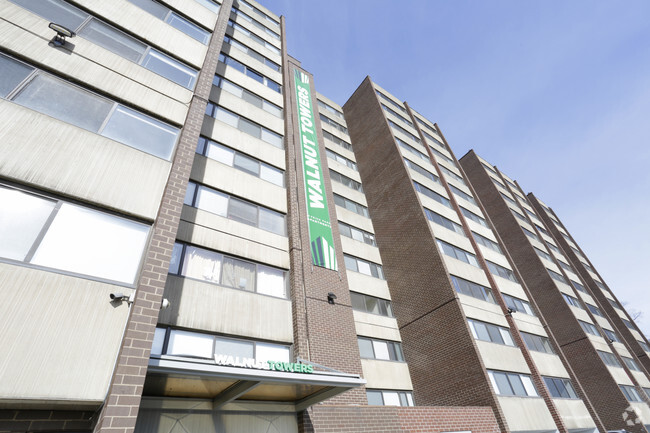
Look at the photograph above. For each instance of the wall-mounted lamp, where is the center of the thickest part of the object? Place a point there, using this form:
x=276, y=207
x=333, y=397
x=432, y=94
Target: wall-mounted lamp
x=61, y=33
x=330, y=298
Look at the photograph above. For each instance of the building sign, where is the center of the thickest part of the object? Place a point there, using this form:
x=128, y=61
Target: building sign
x=318, y=216
x=289, y=367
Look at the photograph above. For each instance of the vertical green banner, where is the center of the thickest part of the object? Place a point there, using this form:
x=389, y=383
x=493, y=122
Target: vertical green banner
x=318, y=216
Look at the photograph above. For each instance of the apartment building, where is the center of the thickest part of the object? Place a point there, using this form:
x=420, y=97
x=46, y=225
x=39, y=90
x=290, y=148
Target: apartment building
x=186, y=245
x=603, y=346
x=455, y=287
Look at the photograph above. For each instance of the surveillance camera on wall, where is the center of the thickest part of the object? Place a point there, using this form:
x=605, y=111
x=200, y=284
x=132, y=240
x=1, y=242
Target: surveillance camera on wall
x=117, y=296
x=164, y=304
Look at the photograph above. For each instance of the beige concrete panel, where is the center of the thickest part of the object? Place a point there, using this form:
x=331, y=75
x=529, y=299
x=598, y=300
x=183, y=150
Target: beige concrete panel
x=574, y=413
x=232, y=137
x=572, y=276
x=195, y=11
x=354, y=219
x=528, y=323
x=250, y=42
x=500, y=357
x=526, y=413
x=243, y=108
x=550, y=265
x=431, y=204
x=158, y=34
x=343, y=169
x=234, y=228
x=93, y=65
x=603, y=322
x=253, y=29
x=340, y=149
x=463, y=270
x=599, y=343
x=388, y=94
x=335, y=132
x=421, y=179
x=368, y=285
x=349, y=193
x=549, y=364
x=510, y=288
x=547, y=238
x=450, y=167
x=386, y=374
x=636, y=334
x=482, y=307
x=623, y=351
x=454, y=238
x=247, y=82
x=208, y=307
x=643, y=412
x=619, y=375
x=641, y=378
x=540, y=245
x=473, y=208
x=580, y=314
x=619, y=347
x=73, y=330
x=408, y=140
x=360, y=249
x=494, y=257
x=376, y=326
x=233, y=181
x=233, y=238
x=592, y=274
x=399, y=121
x=88, y=166
x=251, y=62
x=492, y=314
x=447, y=213
x=478, y=228
x=328, y=101
x=565, y=288
x=585, y=297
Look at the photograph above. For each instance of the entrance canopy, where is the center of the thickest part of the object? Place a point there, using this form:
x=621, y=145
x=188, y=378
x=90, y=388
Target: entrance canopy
x=169, y=376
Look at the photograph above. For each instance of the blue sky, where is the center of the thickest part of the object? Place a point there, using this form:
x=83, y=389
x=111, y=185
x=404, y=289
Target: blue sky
x=555, y=93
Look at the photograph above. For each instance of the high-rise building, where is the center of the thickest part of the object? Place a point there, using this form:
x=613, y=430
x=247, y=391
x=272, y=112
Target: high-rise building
x=192, y=240
x=605, y=349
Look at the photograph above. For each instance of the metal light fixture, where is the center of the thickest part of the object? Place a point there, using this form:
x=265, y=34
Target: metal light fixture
x=61, y=33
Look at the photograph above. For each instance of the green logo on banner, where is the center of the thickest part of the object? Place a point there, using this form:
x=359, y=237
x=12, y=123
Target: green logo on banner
x=318, y=216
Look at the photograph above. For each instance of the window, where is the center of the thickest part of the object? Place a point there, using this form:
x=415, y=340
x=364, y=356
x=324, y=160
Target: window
x=611, y=335
x=50, y=233
x=254, y=37
x=518, y=305
x=517, y=384
x=350, y=205
x=54, y=97
x=631, y=393
x=398, y=128
x=261, y=14
x=244, y=125
x=206, y=265
x=390, y=101
x=350, y=183
x=451, y=174
x=432, y=194
x=501, y=271
x=222, y=204
x=556, y=276
x=530, y=234
x=489, y=167
x=364, y=267
x=578, y=286
x=532, y=215
x=175, y=342
x=644, y=346
x=565, y=266
x=492, y=333
x=223, y=58
x=399, y=116
x=370, y=304
x=333, y=124
x=518, y=215
x=389, y=398
x=615, y=304
x=647, y=391
x=240, y=161
x=412, y=150
x=252, y=53
x=426, y=125
x=443, y=221
x=462, y=194
x=337, y=140
x=496, y=181
x=589, y=328
x=256, y=23
x=554, y=248
x=472, y=289
x=542, y=229
x=560, y=387
x=572, y=301
x=457, y=253
x=370, y=348
x=341, y=159
x=537, y=343
x=357, y=234
x=507, y=197
x=543, y=255
x=601, y=285
x=487, y=242
x=608, y=358
x=424, y=172
x=324, y=106
x=472, y=216
x=247, y=96
x=442, y=156
x=112, y=39
x=627, y=323
x=173, y=19
x=432, y=139
x=631, y=364
x=214, y=7
x=595, y=310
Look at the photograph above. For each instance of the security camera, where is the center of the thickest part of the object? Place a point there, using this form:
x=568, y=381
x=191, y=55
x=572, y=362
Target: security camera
x=331, y=297
x=164, y=304
x=117, y=296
